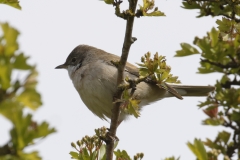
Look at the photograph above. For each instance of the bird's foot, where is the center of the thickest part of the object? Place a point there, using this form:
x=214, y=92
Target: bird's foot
x=108, y=138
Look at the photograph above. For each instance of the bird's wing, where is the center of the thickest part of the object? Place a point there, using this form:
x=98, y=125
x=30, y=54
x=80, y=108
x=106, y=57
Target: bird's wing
x=133, y=70
x=174, y=89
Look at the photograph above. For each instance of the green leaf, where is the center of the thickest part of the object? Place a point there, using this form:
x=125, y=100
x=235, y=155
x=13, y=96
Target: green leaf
x=224, y=136
x=143, y=72
x=149, y=5
x=21, y=62
x=30, y=98
x=12, y=3
x=10, y=35
x=29, y=156
x=235, y=116
x=11, y=110
x=74, y=155
x=122, y=155
x=5, y=76
x=198, y=149
x=154, y=13
x=186, y=50
x=85, y=155
x=225, y=24
x=172, y=158
x=224, y=79
x=193, y=5
x=213, y=122
x=25, y=130
x=30, y=81
x=108, y=1
x=214, y=37
x=102, y=152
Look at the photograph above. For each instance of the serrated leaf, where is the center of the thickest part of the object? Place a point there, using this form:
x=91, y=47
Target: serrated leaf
x=213, y=122
x=30, y=98
x=172, y=158
x=30, y=81
x=29, y=156
x=5, y=76
x=224, y=136
x=122, y=155
x=143, y=72
x=12, y=3
x=186, y=50
x=203, y=70
x=108, y=1
x=25, y=130
x=214, y=37
x=21, y=62
x=198, y=149
x=193, y=5
x=154, y=13
x=10, y=35
x=235, y=116
x=132, y=107
x=44, y=129
x=224, y=25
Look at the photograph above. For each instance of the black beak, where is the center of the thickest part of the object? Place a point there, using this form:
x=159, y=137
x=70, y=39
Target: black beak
x=62, y=66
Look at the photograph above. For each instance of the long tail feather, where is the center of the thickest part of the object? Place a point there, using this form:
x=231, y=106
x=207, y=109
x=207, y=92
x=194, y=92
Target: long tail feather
x=186, y=90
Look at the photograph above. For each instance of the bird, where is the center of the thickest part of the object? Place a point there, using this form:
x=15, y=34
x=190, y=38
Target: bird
x=94, y=76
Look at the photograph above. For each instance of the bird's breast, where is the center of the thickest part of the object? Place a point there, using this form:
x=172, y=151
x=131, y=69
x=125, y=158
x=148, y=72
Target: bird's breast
x=96, y=85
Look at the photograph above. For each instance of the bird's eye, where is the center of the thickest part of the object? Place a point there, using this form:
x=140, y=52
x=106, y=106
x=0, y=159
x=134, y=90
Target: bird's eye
x=74, y=60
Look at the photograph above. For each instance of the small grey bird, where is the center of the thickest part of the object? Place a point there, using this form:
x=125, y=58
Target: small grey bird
x=95, y=77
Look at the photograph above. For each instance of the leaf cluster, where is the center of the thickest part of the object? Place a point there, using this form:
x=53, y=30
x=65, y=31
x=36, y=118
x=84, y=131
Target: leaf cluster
x=153, y=70
x=220, y=52
x=90, y=147
x=146, y=9
x=156, y=69
x=226, y=8
x=93, y=148
x=16, y=95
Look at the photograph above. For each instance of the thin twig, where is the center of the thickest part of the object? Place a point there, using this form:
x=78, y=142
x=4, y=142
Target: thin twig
x=110, y=138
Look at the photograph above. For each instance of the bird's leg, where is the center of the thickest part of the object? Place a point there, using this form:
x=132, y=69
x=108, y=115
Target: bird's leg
x=109, y=136
x=133, y=86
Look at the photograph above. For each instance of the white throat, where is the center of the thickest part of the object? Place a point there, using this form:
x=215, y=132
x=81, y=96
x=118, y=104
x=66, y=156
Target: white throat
x=72, y=69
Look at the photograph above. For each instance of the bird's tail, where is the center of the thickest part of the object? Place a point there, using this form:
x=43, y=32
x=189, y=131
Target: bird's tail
x=186, y=90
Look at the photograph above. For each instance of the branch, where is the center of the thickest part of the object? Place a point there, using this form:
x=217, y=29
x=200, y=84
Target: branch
x=120, y=79
x=210, y=13
x=229, y=83
x=226, y=66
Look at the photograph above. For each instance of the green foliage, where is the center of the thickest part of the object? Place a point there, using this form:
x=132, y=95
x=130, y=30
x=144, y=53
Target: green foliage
x=144, y=10
x=93, y=148
x=147, y=6
x=156, y=69
x=172, y=158
x=198, y=149
x=90, y=148
x=130, y=105
x=214, y=8
x=122, y=155
x=220, y=52
x=187, y=50
x=109, y=1
x=12, y=3
x=16, y=95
